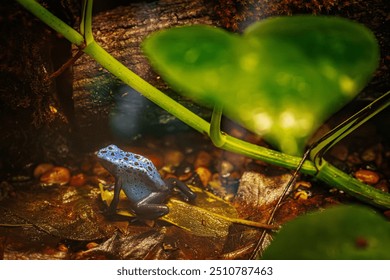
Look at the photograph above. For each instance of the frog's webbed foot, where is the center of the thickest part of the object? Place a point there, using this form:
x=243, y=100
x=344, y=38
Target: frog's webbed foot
x=184, y=189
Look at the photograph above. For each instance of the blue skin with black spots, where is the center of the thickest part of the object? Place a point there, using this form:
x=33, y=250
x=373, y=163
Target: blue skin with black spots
x=140, y=181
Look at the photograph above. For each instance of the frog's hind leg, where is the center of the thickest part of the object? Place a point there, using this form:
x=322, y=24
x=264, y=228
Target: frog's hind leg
x=152, y=211
x=149, y=208
x=185, y=190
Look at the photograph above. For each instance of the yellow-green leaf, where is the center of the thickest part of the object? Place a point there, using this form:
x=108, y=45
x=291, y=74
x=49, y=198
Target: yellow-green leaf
x=209, y=215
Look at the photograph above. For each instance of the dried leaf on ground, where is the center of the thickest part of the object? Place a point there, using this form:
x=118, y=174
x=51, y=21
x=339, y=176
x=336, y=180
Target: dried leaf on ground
x=208, y=215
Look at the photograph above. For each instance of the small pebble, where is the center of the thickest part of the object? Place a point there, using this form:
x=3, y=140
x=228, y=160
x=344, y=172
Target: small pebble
x=204, y=175
x=367, y=176
x=184, y=171
x=216, y=186
x=354, y=159
x=56, y=176
x=166, y=170
x=237, y=132
x=47, y=250
x=203, y=158
x=173, y=157
x=62, y=248
x=226, y=168
x=302, y=185
x=169, y=247
x=340, y=152
x=156, y=159
x=237, y=160
x=369, y=154
x=383, y=186
x=78, y=180
x=91, y=245
x=185, y=176
x=302, y=195
x=228, y=197
x=86, y=166
x=302, y=191
x=41, y=169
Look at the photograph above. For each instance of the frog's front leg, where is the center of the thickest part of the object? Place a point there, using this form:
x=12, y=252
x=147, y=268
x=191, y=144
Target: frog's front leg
x=185, y=190
x=115, y=200
x=149, y=209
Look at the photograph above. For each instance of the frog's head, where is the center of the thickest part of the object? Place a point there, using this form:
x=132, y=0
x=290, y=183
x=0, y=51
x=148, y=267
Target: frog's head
x=111, y=157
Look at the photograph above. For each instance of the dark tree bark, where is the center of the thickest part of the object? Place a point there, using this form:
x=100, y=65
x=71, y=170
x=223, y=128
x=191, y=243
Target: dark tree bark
x=120, y=31
x=34, y=126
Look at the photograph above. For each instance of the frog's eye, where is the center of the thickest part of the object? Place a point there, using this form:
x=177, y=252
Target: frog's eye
x=103, y=151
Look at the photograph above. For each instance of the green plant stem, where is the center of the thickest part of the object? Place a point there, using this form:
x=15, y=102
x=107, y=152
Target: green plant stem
x=229, y=143
x=158, y=97
x=86, y=22
x=217, y=137
x=146, y=89
x=329, y=174
x=319, y=148
x=51, y=20
x=335, y=177
x=115, y=67
x=267, y=155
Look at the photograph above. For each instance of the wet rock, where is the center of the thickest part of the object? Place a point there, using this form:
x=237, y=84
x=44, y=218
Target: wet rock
x=373, y=154
x=226, y=168
x=173, y=157
x=340, y=152
x=367, y=176
x=204, y=175
x=237, y=160
x=383, y=185
x=354, y=159
x=203, y=158
x=91, y=245
x=42, y=168
x=62, y=248
x=56, y=176
x=369, y=154
x=78, y=180
x=302, y=190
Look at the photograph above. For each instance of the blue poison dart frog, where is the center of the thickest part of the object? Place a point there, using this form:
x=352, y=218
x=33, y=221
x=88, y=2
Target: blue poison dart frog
x=141, y=182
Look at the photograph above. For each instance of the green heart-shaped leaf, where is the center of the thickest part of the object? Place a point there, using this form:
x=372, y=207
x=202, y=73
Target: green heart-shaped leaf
x=282, y=78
